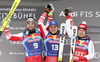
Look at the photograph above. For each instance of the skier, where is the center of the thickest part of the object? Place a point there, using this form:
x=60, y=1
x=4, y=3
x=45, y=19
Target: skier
x=51, y=38
x=31, y=38
x=84, y=48
x=51, y=41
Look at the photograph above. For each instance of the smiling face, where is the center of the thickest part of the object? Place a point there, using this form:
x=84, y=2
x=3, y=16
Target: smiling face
x=53, y=29
x=81, y=32
x=30, y=26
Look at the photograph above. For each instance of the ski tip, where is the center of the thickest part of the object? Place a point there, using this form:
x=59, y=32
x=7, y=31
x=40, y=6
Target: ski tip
x=70, y=60
x=18, y=0
x=59, y=59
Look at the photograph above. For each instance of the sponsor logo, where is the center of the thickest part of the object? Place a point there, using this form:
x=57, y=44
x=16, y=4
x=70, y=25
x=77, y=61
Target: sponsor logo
x=93, y=30
x=53, y=41
x=53, y=22
x=80, y=47
x=96, y=42
x=82, y=26
x=67, y=42
x=30, y=19
x=17, y=28
x=77, y=53
x=15, y=42
x=16, y=53
x=34, y=40
x=66, y=54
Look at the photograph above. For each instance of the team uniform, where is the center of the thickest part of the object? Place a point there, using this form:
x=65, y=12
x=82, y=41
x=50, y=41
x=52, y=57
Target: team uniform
x=32, y=42
x=84, y=48
x=51, y=42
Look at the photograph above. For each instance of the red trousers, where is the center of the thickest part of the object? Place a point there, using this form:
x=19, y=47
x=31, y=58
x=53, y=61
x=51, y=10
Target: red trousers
x=37, y=58
x=51, y=59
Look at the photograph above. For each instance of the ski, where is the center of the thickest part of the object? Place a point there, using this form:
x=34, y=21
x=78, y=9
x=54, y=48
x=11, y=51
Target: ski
x=13, y=8
x=62, y=39
x=73, y=41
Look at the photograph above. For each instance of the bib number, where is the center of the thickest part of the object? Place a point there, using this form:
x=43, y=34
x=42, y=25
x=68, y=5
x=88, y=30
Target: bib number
x=35, y=45
x=54, y=47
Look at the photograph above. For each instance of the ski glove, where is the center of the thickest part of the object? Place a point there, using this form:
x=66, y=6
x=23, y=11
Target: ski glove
x=49, y=8
x=68, y=10
x=3, y=20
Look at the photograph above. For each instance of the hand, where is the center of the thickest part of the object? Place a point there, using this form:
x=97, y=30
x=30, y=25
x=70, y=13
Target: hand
x=67, y=11
x=52, y=7
x=4, y=19
x=75, y=58
x=70, y=9
x=49, y=8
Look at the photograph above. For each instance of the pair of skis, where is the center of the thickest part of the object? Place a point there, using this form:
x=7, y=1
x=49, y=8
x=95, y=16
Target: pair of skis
x=73, y=41
x=13, y=8
x=62, y=39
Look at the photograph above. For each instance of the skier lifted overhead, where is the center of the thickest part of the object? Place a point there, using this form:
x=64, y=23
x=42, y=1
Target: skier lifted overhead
x=84, y=48
x=31, y=38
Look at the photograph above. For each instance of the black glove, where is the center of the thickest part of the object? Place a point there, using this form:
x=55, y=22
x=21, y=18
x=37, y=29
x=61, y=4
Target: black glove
x=48, y=7
x=68, y=10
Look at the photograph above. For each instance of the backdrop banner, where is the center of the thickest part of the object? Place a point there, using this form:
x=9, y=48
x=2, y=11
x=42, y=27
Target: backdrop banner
x=89, y=11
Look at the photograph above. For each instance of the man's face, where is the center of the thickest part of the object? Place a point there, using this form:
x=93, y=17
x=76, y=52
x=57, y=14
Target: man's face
x=30, y=26
x=81, y=32
x=53, y=29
